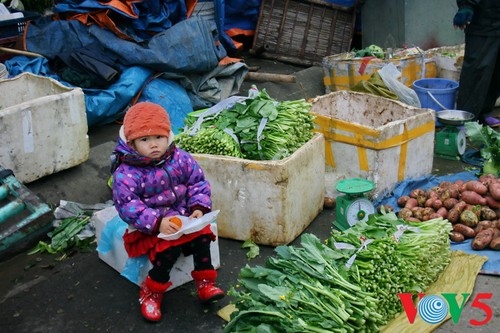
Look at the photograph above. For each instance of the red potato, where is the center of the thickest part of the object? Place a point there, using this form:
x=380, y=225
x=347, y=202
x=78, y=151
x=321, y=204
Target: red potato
x=445, y=194
x=473, y=198
x=421, y=200
x=475, y=186
x=482, y=239
x=412, y=219
x=454, y=191
x=468, y=232
x=459, y=182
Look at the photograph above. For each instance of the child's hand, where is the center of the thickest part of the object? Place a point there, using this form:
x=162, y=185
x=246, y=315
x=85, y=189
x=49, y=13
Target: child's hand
x=167, y=227
x=196, y=214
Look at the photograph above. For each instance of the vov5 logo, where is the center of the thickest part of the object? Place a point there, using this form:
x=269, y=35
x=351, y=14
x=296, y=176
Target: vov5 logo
x=433, y=309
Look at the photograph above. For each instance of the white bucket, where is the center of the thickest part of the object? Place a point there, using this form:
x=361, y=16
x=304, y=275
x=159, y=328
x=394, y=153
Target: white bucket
x=3, y=72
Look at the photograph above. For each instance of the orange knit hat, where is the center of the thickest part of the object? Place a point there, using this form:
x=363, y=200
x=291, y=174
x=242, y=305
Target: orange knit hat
x=144, y=119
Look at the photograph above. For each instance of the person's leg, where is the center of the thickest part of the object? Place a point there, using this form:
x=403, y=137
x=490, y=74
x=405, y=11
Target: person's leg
x=476, y=74
x=494, y=90
x=157, y=282
x=204, y=274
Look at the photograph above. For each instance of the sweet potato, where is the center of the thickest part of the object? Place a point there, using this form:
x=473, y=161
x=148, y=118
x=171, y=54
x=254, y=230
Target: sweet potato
x=494, y=189
x=495, y=244
x=482, y=239
x=475, y=186
x=445, y=184
x=460, y=206
x=454, y=191
x=450, y=203
x=402, y=200
x=491, y=202
x=417, y=212
x=464, y=230
x=482, y=225
x=457, y=237
x=411, y=202
x=473, y=198
x=445, y=194
x=459, y=182
x=443, y=212
x=429, y=202
x=412, y=219
x=469, y=218
x=437, y=204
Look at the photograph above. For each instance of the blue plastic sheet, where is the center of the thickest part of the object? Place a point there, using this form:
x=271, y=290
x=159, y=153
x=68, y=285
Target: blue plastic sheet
x=111, y=237
x=492, y=266
x=102, y=106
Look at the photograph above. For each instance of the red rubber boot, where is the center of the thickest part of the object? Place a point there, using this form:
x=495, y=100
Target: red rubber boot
x=205, y=284
x=150, y=297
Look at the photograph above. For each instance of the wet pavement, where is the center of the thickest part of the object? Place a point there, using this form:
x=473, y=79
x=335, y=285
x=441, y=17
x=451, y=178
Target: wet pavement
x=83, y=294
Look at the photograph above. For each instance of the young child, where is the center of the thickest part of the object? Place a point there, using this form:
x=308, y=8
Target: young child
x=153, y=181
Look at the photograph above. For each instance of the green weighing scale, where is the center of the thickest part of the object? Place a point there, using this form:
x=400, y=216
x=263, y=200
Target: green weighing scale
x=450, y=140
x=353, y=206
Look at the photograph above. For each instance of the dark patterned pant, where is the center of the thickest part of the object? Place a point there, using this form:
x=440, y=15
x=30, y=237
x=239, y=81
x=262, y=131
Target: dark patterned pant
x=164, y=261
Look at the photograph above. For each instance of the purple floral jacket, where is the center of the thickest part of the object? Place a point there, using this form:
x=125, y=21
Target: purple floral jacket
x=146, y=190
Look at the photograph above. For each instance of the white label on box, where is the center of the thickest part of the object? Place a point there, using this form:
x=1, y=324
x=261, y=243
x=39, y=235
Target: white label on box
x=27, y=131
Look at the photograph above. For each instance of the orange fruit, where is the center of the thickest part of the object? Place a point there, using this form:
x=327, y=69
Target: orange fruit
x=177, y=221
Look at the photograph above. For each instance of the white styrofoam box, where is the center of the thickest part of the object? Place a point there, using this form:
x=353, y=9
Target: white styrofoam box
x=268, y=202
x=375, y=138
x=448, y=60
x=112, y=251
x=43, y=126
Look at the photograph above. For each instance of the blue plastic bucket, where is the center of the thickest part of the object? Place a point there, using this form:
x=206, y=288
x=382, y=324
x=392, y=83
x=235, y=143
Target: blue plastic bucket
x=437, y=94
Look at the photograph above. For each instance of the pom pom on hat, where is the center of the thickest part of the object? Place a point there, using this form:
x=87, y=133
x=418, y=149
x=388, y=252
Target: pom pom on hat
x=145, y=119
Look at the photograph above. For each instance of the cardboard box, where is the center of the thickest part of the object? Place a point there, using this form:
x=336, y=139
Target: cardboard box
x=43, y=126
x=268, y=202
x=109, y=231
x=375, y=138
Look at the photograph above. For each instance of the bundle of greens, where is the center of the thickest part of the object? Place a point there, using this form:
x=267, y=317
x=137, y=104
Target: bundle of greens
x=349, y=284
x=488, y=142
x=402, y=257
x=209, y=140
x=264, y=128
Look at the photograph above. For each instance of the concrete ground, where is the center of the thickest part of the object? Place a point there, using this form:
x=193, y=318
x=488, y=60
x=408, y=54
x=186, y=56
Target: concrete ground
x=83, y=294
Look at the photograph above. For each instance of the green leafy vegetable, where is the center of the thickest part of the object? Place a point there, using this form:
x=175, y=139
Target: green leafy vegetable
x=349, y=284
x=64, y=237
x=253, y=251
x=488, y=142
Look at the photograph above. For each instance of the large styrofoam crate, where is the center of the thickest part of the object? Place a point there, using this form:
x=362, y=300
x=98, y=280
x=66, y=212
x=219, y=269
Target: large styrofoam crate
x=109, y=235
x=448, y=60
x=43, y=126
x=268, y=202
x=373, y=137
